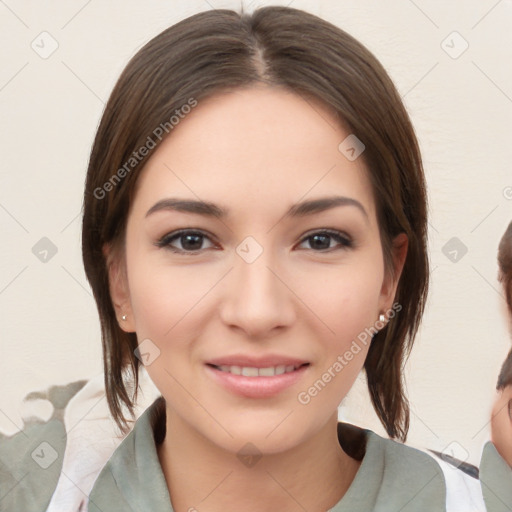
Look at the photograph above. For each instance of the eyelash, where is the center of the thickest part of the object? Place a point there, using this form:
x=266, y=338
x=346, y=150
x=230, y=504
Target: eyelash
x=165, y=242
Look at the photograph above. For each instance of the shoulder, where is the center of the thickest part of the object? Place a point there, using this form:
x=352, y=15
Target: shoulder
x=92, y=436
x=463, y=490
x=119, y=486
x=409, y=476
x=31, y=460
x=30, y=465
x=496, y=479
x=409, y=479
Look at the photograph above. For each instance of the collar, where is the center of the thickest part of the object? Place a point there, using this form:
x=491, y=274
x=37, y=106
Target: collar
x=496, y=480
x=392, y=476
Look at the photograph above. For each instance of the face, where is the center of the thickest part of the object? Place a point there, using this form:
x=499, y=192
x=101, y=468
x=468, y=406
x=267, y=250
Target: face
x=501, y=423
x=229, y=297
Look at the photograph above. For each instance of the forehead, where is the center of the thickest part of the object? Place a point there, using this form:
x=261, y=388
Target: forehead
x=256, y=147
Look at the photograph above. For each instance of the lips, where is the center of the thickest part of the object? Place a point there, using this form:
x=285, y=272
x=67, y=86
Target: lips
x=257, y=362
x=256, y=377
x=252, y=371
x=268, y=366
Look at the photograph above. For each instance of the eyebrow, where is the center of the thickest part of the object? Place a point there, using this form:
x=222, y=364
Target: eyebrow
x=209, y=209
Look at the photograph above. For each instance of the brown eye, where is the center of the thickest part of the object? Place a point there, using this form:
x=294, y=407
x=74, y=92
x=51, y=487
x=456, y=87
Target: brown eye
x=189, y=240
x=322, y=240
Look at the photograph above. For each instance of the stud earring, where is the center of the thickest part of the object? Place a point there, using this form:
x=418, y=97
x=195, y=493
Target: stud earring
x=123, y=318
x=382, y=318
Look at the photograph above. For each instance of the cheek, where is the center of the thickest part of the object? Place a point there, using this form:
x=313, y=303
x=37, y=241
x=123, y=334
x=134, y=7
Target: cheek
x=344, y=298
x=345, y=304
x=501, y=427
x=168, y=307
x=162, y=296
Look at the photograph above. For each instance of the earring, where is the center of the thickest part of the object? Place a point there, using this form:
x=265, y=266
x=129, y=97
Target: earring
x=382, y=318
x=123, y=318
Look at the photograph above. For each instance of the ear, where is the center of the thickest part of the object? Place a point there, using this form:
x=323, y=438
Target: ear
x=399, y=247
x=118, y=287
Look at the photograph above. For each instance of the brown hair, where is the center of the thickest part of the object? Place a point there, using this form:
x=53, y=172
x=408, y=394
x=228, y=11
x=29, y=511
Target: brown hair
x=505, y=376
x=505, y=277
x=221, y=50
x=505, y=264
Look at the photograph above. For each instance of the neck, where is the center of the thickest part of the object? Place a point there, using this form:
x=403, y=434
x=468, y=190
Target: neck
x=200, y=475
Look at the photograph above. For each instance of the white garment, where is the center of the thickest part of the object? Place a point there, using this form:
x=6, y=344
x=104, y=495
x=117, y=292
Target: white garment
x=463, y=492
x=92, y=437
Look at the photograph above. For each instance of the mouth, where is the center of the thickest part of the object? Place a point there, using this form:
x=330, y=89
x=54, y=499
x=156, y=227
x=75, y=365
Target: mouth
x=253, y=371
x=257, y=378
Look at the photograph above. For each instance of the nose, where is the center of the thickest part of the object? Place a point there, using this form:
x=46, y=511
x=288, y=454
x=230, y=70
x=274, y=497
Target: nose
x=257, y=299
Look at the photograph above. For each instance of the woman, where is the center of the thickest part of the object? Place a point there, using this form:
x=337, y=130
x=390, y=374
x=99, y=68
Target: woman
x=254, y=233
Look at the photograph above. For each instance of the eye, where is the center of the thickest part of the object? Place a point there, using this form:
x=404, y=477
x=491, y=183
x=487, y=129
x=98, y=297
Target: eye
x=322, y=240
x=190, y=241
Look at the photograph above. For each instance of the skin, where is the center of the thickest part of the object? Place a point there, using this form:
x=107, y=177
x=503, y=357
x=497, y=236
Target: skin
x=501, y=423
x=254, y=151
x=501, y=416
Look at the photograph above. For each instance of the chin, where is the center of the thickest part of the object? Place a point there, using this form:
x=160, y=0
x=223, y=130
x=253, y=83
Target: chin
x=270, y=433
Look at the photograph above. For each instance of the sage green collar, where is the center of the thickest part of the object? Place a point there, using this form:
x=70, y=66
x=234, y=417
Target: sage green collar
x=496, y=480
x=391, y=477
x=132, y=479
x=394, y=477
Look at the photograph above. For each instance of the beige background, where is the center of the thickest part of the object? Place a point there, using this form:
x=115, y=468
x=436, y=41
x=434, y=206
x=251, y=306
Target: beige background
x=461, y=108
